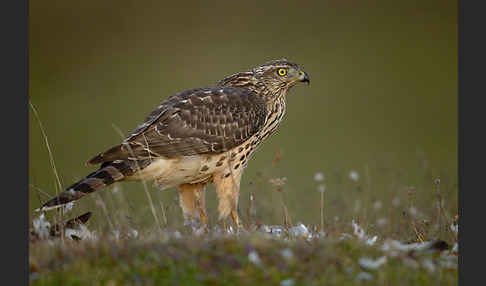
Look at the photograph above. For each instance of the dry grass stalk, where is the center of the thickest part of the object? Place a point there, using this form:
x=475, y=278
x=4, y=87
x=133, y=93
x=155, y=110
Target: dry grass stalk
x=152, y=208
x=322, y=211
x=51, y=160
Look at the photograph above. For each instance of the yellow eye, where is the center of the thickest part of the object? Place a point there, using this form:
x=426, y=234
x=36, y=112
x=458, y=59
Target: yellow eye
x=282, y=72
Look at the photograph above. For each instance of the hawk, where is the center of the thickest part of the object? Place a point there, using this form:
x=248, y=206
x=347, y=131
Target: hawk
x=198, y=136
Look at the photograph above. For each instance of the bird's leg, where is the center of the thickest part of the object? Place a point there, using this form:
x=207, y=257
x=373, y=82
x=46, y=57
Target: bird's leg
x=193, y=203
x=227, y=185
x=236, y=219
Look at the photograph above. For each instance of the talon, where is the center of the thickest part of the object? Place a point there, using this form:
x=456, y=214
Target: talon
x=204, y=219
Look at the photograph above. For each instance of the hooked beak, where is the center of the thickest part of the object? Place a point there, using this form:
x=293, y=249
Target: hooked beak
x=304, y=77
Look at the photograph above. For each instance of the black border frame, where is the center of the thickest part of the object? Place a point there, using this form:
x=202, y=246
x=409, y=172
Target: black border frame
x=14, y=20
x=471, y=63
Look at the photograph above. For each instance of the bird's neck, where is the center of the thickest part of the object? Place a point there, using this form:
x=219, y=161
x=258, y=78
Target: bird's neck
x=239, y=80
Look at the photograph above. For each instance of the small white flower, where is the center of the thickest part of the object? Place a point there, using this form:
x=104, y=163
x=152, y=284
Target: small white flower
x=454, y=227
x=287, y=282
x=68, y=232
x=41, y=226
x=381, y=222
x=68, y=207
x=299, y=230
x=345, y=235
x=321, y=188
x=354, y=176
x=371, y=241
x=395, y=245
x=133, y=233
x=176, y=234
x=199, y=231
x=287, y=254
x=371, y=264
x=364, y=276
x=276, y=230
x=82, y=232
x=396, y=202
x=377, y=205
x=359, y=232
x=455, y=248
x=318, y=177
x=254, y=258
x=265, y=228
x=116, y=234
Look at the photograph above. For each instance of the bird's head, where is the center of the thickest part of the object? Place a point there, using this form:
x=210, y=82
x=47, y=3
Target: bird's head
x=273, y=78
x=280, y=75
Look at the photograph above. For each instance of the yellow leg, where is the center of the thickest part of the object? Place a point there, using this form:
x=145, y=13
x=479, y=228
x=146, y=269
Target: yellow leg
x=193, y=203
x=203, y=217
x=227, y=188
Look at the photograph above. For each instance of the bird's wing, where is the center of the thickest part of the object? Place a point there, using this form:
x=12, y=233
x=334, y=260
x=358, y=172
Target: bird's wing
x=198, y=121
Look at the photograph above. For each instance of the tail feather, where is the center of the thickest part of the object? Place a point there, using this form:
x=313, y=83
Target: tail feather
x=107, y=174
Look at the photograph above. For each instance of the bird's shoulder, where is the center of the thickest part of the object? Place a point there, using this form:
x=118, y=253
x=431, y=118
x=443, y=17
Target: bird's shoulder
x=213, y=100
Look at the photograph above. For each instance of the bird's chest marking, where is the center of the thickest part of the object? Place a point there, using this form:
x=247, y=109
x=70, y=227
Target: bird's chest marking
x=241, y=155
x=276, y=113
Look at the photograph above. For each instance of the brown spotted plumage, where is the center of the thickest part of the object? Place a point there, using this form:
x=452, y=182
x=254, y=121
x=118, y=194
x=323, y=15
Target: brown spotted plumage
x=196, y=137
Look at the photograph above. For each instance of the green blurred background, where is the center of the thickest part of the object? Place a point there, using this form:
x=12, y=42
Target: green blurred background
x=382, y=99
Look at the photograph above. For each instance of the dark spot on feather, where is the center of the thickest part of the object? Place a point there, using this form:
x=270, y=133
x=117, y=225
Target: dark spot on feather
x=240, y=149
x=219, y=163
x=227, y=175
x=247, y=146
x=242, y=158
x=204, y=168
x=222, y=158
x=106, y=177
x=84, y=188
x=237, y=165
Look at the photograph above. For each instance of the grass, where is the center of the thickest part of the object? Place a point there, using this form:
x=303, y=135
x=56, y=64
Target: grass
x=119, y=253
x=230, y=260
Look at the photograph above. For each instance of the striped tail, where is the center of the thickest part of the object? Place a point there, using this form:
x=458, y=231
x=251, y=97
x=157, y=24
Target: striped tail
x=107, y=174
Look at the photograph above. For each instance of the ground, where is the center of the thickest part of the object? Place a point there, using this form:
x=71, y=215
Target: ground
x=264, y=254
